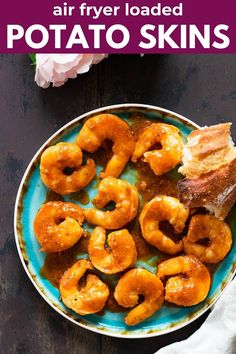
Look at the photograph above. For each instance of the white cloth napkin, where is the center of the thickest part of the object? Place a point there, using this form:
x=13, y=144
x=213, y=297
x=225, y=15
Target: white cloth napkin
x=217, y=335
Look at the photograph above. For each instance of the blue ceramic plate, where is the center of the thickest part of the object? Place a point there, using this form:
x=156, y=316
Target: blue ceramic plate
x=32, y=193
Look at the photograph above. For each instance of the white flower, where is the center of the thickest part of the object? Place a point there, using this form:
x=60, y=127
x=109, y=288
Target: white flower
x=58, y=68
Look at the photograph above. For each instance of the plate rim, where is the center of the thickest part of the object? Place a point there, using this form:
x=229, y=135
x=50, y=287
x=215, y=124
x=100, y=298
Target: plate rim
x=138, y=335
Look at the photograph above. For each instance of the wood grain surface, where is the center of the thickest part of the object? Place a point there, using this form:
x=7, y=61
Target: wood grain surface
x=201, y=87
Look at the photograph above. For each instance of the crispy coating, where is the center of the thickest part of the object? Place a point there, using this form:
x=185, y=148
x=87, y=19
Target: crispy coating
x=119, y=255
x=188, y=281
x=57, y=226
x=216, y=231
x=170, y=154
x=137, y=282
x=163, y=208
x=108, y=127
x=54, y=162
x=85, y=300
x=123, y=194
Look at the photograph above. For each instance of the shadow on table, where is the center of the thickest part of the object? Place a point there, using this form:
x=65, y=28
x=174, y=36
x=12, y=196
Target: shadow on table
x=149, y=345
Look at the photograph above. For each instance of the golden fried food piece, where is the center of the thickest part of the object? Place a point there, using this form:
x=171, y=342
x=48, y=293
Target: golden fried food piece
x=57, y=160
x=123, y=194
x=218, y=234
x=90, y=298
x=108, y=127
x=120, y=255
x=163, y=208
x=57, y=226
x=137, y=282
x=189, y=280
x=170, y=154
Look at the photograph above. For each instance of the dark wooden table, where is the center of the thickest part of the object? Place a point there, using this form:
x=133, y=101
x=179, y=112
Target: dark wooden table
x=201, y=87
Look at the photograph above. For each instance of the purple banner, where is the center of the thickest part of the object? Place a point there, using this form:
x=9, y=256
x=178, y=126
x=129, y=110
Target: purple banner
x=108, y=26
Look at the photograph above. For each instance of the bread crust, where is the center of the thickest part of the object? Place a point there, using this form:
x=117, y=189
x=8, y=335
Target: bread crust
x=210, y=139
x=207, y=149
x=209, y=164
x=215, y=191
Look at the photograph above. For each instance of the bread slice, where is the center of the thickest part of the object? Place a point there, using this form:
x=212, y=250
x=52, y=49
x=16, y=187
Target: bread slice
x=215, y=190
x=207, y=149
x=209, y=163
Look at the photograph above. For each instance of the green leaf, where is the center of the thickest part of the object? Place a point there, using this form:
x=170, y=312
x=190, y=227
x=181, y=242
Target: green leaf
x=33, y=58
